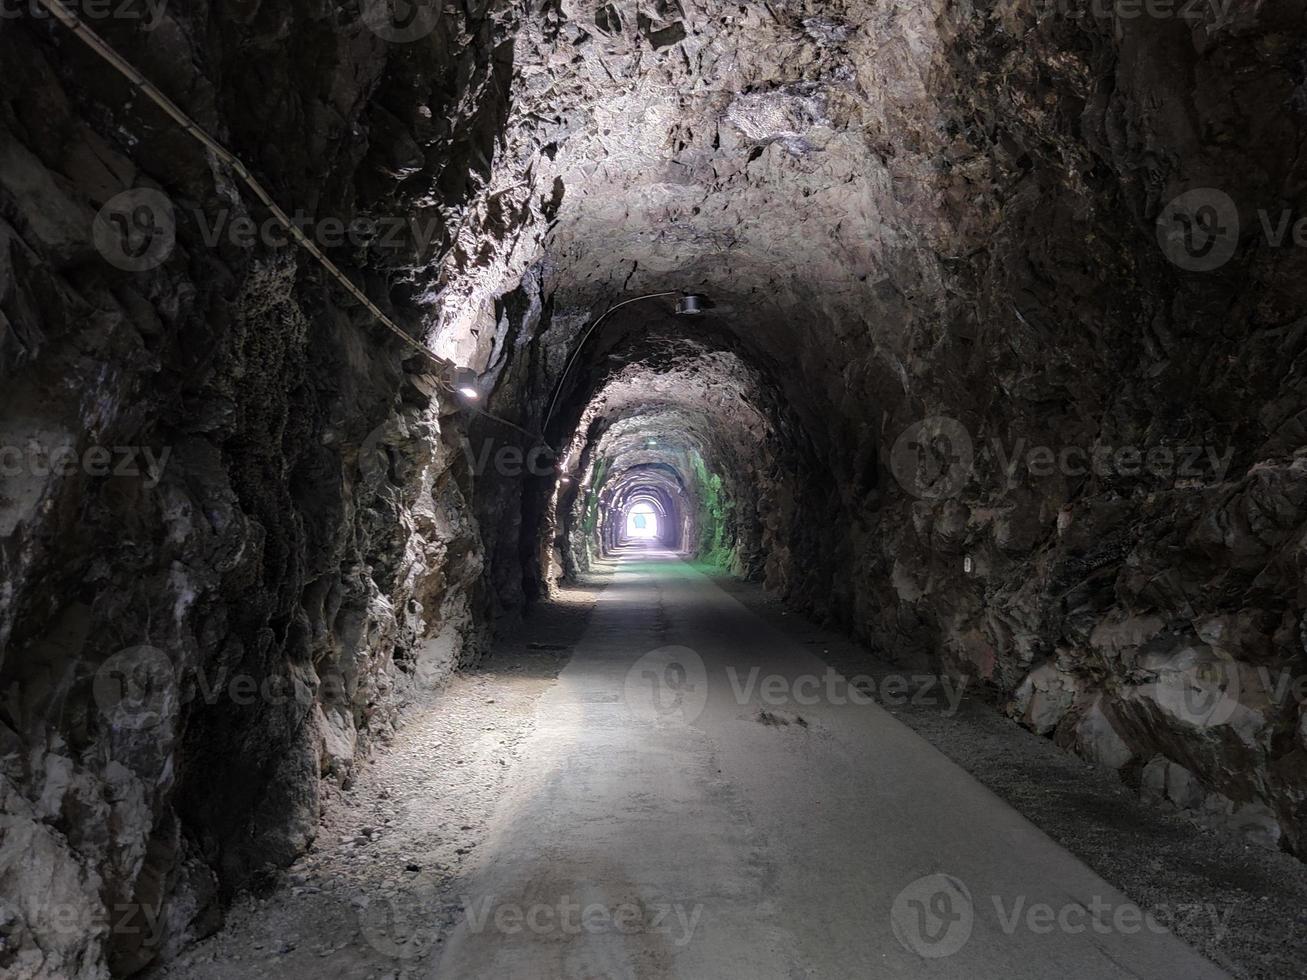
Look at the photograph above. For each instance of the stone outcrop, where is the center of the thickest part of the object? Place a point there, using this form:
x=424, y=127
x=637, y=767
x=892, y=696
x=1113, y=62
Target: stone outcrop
x=952, y=391
x=199, y=629
x=946, y=235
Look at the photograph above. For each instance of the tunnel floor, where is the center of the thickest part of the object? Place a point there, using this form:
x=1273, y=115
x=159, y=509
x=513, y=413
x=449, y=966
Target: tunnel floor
x=746, y=833
x=693, y=793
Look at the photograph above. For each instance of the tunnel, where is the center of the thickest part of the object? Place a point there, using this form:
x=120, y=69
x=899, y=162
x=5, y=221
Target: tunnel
x=653, y=489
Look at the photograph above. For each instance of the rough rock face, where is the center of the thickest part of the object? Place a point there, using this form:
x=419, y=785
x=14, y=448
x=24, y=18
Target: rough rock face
x=200, y=628
x=953, y=392
x=1029, y=430
x=659, y=424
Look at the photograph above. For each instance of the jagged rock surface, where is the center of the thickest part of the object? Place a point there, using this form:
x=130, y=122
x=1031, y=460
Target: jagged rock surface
x=899, y=212
x=306, y=550
x=917, y=212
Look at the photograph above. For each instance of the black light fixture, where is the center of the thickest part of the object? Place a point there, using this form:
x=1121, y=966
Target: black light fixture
x=464, y=382
x=690, y=304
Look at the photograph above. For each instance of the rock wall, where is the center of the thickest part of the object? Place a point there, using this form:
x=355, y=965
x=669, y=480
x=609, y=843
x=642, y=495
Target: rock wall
x=929, y=237
x=934, y=229
x=1122, y=553
x=235, y=525
x=1089, y=492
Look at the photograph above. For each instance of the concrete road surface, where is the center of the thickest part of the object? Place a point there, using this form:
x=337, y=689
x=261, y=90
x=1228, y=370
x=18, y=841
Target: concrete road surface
x=703, y=799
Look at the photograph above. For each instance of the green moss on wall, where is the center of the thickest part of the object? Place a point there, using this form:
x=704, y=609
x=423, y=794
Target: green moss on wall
x=716, y=530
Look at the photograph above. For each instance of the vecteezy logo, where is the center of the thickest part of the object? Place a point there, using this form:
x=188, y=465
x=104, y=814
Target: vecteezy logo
x=1200, y=690
x=401, y=21
x=1213, y=696
x=933, y=916
x=667, y=683
x=1199, y=230
x=136, y=230
x=136, y=688
x=932, y=458
x=403, y=927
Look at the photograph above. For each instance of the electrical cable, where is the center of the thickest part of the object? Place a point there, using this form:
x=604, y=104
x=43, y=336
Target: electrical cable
x=98, y=45
x=558, y=388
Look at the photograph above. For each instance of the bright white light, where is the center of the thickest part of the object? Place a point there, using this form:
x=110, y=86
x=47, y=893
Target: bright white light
x=471, y=394
x=642, y=522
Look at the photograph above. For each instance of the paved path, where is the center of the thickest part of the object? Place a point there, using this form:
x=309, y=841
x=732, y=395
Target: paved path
x=702, y=799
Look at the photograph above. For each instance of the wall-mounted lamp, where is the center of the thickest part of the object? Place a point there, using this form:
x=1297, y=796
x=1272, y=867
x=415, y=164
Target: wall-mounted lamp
x=464, y=382
x=967, y=565
x=691, y=304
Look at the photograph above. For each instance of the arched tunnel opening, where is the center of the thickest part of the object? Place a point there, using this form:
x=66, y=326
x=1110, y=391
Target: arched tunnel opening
x=613, y=489
x=646, y=519
x=668, y=412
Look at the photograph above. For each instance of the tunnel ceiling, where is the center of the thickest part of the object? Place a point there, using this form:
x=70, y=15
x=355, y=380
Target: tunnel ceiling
x=898, y=210
x=781, y=159
x=657, y=411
